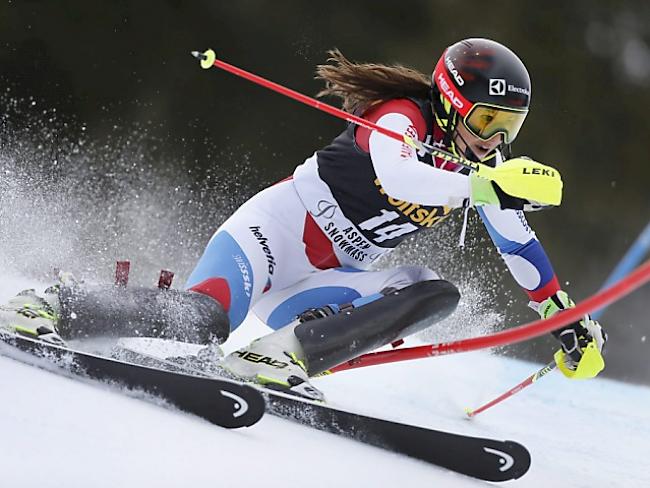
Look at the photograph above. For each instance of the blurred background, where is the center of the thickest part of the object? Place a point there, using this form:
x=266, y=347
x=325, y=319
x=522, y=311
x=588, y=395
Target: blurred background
x=115, y=144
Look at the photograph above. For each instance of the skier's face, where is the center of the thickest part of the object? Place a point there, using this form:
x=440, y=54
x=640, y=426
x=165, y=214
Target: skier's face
x=465, y=139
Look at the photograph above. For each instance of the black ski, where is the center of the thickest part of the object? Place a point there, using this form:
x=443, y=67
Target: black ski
x=223, y=402
x=486, y=459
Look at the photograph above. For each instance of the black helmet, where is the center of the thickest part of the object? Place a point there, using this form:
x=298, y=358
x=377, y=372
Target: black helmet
x=487, y=84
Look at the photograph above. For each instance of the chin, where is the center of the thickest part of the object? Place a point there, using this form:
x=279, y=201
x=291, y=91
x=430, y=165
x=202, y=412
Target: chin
x=481, y=154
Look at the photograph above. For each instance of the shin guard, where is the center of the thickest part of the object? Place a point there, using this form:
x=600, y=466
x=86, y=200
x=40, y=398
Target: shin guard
x=332, y=340
x=148, y=312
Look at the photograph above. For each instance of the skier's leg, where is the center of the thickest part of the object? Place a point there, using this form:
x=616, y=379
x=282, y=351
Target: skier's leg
x=245, y=257
x=78, y=311
x=393, y=304
x=141, y=312
x=260, y=246
x=379, y=307
x=335, y=287
x=337, y=338
x=257, y=250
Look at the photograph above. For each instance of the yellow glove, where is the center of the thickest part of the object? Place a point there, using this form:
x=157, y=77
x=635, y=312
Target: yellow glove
x=582, y=342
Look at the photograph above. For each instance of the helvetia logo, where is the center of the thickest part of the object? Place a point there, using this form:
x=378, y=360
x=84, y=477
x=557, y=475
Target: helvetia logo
x=497, y=86
x=263, y=241
x=506, y=460
x=241, y=405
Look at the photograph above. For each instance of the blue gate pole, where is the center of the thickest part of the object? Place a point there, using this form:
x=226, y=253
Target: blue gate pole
x=632, y=258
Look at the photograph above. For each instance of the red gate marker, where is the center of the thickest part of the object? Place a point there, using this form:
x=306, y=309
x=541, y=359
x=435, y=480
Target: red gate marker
x=122, y=269
x=165, y=279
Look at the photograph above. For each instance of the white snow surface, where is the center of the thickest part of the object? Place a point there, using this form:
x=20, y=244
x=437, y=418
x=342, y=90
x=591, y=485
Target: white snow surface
x=57, y=431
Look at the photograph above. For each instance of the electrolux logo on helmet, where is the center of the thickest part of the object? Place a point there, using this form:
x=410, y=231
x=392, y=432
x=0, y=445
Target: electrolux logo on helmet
x=449, y=92
x=517, y=89
x=497, y=86
x=452, y=69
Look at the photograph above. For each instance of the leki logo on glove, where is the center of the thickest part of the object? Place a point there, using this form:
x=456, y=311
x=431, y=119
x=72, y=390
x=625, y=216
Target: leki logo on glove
x=497, y=86
x=538, y=171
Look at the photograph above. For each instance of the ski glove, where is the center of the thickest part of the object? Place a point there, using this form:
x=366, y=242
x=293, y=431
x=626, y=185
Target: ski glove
x=487, y=192
x=581, y=342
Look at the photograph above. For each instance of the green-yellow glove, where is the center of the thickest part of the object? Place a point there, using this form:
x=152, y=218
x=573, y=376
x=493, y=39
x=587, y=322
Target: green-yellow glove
x=582, y=342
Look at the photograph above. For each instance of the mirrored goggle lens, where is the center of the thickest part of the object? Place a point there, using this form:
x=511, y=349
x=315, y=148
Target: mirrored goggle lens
x=485, y=121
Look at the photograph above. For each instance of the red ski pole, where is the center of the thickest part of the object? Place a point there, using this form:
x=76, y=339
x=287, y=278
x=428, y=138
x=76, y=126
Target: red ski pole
x=512, y=177
x=209, y=59
x=531, y=330
x=527, y=382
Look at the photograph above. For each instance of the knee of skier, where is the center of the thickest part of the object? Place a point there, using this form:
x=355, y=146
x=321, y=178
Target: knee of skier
x=406, y=275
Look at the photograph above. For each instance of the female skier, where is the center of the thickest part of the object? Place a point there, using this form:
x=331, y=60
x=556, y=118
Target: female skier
x=299, y=253
x=303, y=247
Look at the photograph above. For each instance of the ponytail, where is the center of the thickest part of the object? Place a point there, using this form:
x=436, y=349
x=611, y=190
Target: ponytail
x=361, y=85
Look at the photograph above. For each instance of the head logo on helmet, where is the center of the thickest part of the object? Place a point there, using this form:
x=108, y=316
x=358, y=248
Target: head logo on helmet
x=446, y=88
x=487, y=84
x=452, y=69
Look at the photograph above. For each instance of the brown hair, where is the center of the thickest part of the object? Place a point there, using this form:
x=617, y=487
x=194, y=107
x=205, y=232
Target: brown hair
x=360, y=85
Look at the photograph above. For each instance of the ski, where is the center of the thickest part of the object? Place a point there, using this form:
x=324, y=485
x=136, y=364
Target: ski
x=221, y=401
x=486, y=459
x=482, y=458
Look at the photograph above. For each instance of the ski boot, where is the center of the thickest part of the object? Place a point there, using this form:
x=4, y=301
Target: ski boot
x=32, y=316
x=274, y=361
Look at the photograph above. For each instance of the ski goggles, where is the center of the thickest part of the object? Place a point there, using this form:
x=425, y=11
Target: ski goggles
x=484, y=121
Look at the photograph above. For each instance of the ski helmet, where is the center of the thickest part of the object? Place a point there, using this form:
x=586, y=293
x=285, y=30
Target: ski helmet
x=487, y=85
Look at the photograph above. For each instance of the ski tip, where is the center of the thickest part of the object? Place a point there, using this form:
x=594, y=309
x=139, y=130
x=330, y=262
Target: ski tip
x=469, y=414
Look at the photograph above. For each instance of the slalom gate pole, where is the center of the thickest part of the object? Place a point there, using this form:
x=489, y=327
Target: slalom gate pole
x=527, y=382
x=627, y=285
x=632, y=258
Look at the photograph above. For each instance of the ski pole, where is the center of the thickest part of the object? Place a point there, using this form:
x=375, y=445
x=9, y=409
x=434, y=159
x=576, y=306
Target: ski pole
x=518, y=177
x=631, y=259
x=527, y=382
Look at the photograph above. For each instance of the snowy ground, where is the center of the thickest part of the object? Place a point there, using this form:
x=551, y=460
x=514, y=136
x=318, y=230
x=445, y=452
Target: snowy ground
x=59, y=432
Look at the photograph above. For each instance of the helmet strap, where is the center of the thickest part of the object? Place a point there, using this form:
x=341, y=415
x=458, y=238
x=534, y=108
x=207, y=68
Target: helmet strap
x=506, y=151
x=467, y=153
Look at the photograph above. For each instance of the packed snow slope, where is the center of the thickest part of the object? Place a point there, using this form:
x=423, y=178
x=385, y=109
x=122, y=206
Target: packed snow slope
x=61, y=432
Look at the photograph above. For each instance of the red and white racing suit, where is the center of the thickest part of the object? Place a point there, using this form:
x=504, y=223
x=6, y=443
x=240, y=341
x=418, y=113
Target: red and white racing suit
x=311, y=239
